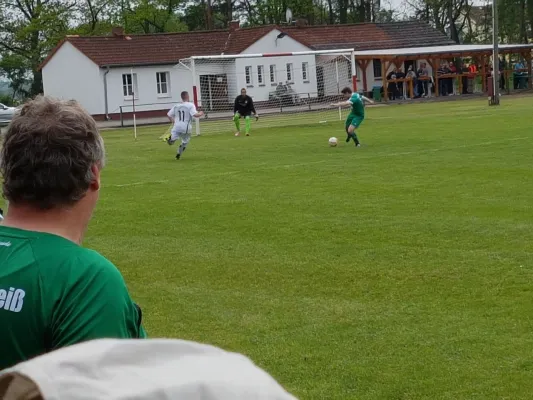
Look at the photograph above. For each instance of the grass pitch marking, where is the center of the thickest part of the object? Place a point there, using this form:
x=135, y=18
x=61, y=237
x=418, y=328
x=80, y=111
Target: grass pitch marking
x=302, y=164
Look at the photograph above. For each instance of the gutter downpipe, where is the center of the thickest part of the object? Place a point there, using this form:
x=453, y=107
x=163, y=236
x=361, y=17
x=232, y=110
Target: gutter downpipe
x=105, y=95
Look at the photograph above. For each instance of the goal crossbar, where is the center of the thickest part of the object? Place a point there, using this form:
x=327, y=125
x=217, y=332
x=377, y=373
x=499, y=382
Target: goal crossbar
x=290, y=85
x=259, y=55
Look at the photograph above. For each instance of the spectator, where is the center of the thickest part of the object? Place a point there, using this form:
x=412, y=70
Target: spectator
x=400, y=75
x=411, y=74
x=53, y=292
x=451, y=85
x=423, y=76
x=473, y=74
x=393, y=86
x=443, y=82
x=517, y=75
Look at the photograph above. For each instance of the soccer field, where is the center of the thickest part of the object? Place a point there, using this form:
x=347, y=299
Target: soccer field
x=400, y=270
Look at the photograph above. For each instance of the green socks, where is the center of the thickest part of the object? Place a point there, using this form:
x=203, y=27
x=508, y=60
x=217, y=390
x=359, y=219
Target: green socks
x=247, y=122
x=237, y=120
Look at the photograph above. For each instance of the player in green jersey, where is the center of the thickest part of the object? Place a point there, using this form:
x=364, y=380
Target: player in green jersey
x=53, y=292
x=356, y=115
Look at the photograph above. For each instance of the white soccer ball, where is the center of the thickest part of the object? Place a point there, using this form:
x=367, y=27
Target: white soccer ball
x=333, y=141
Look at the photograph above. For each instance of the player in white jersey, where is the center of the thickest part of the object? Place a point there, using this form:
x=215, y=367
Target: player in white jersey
x=181, y=116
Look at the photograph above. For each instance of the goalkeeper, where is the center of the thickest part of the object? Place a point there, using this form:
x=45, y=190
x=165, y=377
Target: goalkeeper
x=244, y=107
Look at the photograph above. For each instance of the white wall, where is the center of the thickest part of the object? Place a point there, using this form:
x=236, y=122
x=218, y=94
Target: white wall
x=233, y=84
x=147, y=98
x=71, y=75
x=268, y=44
x=260, y=92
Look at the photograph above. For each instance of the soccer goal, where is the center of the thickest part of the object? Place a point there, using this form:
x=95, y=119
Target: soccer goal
x=287, y=88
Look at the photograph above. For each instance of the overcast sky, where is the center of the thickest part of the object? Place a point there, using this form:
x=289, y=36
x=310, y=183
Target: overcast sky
x=403, y=9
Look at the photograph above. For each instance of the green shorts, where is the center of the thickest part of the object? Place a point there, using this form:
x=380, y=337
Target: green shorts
x=354, y=120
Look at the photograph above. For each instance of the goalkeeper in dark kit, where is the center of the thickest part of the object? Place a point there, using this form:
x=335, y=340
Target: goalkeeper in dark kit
x=243, y=108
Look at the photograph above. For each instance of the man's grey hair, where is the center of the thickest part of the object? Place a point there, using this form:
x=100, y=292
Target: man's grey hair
x=48, y=152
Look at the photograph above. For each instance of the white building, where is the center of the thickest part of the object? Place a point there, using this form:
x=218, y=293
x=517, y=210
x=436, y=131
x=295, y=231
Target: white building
x=112, y=74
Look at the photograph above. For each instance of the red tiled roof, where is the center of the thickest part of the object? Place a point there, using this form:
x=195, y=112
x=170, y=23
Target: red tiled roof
x=369, y=36
x=169, y=48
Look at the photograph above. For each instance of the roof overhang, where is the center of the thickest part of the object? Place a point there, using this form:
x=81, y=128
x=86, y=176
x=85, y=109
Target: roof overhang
x=449, y=51
x=135, y=65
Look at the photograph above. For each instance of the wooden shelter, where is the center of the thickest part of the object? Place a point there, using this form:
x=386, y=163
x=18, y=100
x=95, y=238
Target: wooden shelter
x=434, y=54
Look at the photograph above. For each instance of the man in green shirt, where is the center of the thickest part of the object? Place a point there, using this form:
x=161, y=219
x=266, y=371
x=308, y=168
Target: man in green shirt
x=357, y=113
x=53, y=292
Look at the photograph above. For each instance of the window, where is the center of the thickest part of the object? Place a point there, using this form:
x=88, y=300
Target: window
x=289, y=72
x=248, y=75
x=376, y=63
x=129, y=86
x=273, y=74
x=305, y=68
x=260, y=75
x=163, y=81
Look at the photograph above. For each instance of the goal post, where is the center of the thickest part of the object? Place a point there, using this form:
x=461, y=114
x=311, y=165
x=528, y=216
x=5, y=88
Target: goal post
x=294, y=88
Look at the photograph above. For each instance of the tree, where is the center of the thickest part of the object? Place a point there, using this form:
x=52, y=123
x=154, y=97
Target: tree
x=444, y=15
x=153, y=16
x=30, y=29
x=14, y=69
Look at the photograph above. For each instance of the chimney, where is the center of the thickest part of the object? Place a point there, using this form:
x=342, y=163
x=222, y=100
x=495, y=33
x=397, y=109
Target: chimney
x=234, y=25
x=118, y=31
x=301, y=22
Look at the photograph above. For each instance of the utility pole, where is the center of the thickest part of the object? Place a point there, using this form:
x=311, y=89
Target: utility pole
x=495, y=99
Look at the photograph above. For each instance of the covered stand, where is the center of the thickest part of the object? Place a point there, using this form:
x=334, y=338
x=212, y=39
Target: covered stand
x=434, y=55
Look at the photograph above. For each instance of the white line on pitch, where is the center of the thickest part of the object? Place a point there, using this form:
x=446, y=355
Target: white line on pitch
x=404, y=153
x=138, y=183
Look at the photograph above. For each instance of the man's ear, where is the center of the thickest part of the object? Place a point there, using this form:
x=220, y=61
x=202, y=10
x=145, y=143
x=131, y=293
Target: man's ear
x=95, y=182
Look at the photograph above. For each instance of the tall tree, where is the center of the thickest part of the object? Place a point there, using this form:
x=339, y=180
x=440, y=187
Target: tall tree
x=14, y=69
x=153, y=16
x=448, y=16
x=30, y=29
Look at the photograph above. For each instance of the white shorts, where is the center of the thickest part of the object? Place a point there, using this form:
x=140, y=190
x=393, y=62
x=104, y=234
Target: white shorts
x=183, y=134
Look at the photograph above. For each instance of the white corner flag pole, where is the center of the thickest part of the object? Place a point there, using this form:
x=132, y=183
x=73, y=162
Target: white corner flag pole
x=133, y=98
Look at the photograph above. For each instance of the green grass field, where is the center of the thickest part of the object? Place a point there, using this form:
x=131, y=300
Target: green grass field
x=401, y=270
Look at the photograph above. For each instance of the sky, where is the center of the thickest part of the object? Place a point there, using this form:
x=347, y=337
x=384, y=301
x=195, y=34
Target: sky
x=403, y=9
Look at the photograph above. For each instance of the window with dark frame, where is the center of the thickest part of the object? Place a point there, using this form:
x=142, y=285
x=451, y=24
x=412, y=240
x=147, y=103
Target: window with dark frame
x=289, y=72
x=162, y=83
x=129, y=85
x=305, y=69
x=273, y=73
x=248, y=74
x=260, y=74
x=376, y=64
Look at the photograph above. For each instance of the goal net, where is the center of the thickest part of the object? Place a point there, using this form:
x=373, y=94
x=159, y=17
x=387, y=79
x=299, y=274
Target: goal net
x=287, y=89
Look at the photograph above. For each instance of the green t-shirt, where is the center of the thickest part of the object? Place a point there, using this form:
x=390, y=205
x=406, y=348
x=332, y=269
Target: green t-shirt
x=54, y=293
x=358, y=106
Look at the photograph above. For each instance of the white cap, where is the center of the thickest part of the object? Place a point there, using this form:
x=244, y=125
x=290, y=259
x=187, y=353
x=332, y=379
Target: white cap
x=150, y=369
